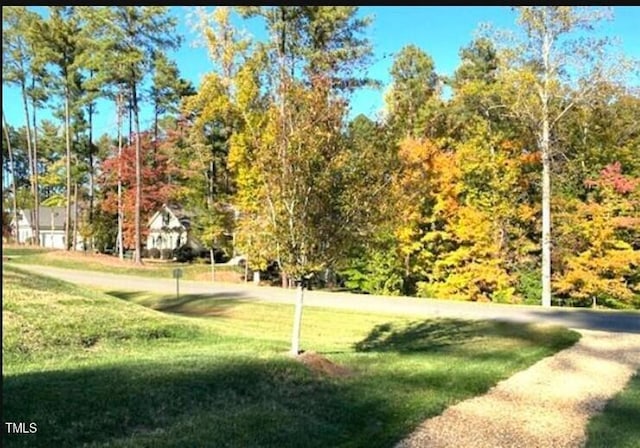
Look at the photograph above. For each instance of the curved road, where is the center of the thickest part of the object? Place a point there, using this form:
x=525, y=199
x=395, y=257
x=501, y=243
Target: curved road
x=617, y=321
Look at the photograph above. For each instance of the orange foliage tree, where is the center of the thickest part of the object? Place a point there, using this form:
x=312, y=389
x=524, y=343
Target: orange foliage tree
x=464, y=218
x=155, y=190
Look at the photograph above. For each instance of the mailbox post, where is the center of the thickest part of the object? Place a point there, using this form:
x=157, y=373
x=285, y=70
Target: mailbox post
x=177, y=273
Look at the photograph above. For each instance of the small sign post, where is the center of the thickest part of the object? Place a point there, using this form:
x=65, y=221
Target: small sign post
x=177, y=273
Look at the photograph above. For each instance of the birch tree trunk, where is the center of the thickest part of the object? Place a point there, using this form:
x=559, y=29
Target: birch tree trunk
x=297, y=321
x=546, y=176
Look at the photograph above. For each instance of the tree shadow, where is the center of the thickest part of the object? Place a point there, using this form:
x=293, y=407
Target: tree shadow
x=234, y=400
x=450, y=334
x=208, y=403
x=194, y=305
x=421, y=336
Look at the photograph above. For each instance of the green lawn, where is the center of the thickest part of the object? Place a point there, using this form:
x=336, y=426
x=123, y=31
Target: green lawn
x=619, y=424
x=79, y=260
x=22, y=251
x=129, y=370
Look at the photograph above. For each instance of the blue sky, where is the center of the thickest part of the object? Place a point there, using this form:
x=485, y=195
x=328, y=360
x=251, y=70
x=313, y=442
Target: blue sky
x=439, y=30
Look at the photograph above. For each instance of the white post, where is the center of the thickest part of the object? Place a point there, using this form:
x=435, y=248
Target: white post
x=297, y=322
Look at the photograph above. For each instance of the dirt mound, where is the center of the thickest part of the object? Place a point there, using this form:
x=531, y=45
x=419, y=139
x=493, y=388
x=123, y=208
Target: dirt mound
x=319, y=364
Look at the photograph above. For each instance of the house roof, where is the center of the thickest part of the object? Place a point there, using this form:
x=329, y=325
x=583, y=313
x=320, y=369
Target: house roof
x=45, y=215
x=185, y=216
x=181, y=214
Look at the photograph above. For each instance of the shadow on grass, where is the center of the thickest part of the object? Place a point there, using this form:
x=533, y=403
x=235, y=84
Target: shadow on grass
x=195, y=305
x=221, y=400
x=444, y=334
x=210, y=403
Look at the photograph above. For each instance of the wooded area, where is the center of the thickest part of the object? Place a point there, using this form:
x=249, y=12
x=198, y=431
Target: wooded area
x=520, y=185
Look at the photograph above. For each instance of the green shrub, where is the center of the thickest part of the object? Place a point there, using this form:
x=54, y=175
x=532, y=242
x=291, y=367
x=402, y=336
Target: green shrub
x=166, y=254
x=529, y=285
x=184, y=254
x=154, y=252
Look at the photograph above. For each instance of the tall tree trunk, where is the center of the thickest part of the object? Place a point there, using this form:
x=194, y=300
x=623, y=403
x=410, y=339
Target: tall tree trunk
x=120, y=214
x=130, y=120
x=297, y=321
x=546, y=177
x=137, y=255
x=14, y=189
x=155, y=135
x=90, y=111
x=34, y=223
x=36, y=182
x=546, y=218
x=67, y=126
x=75, y=216
x=91, y=173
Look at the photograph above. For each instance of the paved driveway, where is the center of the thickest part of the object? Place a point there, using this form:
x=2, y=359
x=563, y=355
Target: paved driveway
x=573, y=318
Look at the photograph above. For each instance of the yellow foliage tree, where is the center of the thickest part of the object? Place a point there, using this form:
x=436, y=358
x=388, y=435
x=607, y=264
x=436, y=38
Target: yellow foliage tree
x=601, y=237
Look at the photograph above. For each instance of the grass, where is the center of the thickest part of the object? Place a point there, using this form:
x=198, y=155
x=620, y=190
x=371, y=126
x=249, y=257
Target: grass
x=111, y=264
x=21, y=251
x=130, y=369
x=618, y=425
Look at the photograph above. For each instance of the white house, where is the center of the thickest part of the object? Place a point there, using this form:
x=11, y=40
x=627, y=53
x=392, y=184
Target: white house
x=169, y=229
x=52, y=224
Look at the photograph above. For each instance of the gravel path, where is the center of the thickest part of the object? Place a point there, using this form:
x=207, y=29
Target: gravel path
x=546, y=405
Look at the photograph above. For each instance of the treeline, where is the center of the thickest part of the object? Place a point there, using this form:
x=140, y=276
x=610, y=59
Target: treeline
x=521, y=184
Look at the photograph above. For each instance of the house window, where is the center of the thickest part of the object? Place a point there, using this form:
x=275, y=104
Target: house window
x=166, y=218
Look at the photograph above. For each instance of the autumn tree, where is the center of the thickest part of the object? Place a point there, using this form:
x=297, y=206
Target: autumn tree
x=312, y=63
x=556, y=67
x=601, y=239
x=126, y=39
x=154, y=192
x=212, y=117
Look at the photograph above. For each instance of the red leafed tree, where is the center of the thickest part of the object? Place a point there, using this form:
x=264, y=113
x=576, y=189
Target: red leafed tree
x=155, y=190
x=611, y=177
